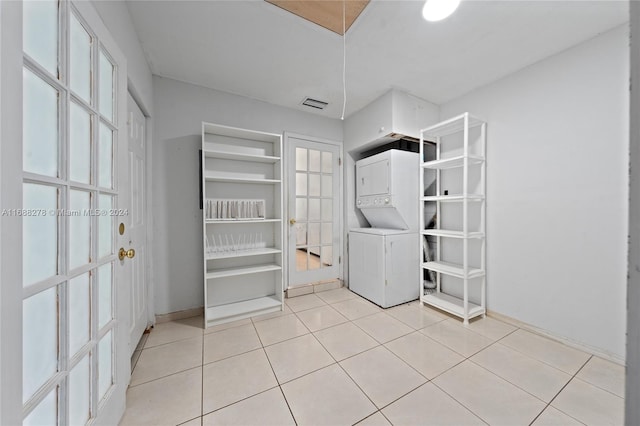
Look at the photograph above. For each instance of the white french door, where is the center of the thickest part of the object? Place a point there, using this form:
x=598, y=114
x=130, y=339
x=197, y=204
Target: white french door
x=314, y=182
x=74, y=192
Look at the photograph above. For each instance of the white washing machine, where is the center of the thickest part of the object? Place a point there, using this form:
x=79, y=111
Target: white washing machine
x=384, y=265
x=384, y=261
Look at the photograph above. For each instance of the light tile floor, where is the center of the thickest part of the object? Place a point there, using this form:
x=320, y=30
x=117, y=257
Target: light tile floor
x=333, y=358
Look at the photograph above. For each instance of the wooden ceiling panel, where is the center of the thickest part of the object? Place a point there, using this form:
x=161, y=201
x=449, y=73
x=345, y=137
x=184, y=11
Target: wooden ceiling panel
x=326, y=13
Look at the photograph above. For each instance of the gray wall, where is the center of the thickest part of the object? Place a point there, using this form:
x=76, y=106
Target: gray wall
x=180, y=109
x=632, y=411
x=557, y=191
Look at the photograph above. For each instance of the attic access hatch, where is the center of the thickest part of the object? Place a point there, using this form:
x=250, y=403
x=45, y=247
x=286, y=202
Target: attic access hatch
x=326, y=13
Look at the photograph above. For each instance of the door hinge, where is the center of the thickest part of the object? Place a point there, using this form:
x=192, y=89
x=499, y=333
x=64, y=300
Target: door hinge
x=339, y=161
x=339, y=259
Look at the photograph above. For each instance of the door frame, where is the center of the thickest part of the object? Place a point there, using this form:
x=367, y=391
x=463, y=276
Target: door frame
x=288, y=159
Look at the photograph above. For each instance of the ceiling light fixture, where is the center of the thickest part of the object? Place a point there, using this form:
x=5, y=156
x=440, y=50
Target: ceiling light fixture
x=437, y=10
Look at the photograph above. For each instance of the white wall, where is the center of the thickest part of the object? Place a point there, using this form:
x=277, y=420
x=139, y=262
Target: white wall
x=632, y=411
x=180, y=109
x=115, y=15
x=557, y=191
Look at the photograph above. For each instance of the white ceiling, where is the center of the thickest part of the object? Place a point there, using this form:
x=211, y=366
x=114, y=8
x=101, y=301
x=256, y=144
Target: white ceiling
x=255, y=49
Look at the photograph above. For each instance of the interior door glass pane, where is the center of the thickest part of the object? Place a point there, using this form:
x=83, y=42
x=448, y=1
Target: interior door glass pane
x=301, y=159
x=40, y=33
x=79, y=394
x=314, y=160
x=301, y=209
x=106, y=86
x=327, y=256
x=79, y=321
x=79, y=229
x=39, y=233
x=314, y=209
x=327, y=233
x=301, y=184
x=45, y=413
x=327, y=162
x=301, y=234
x=39, y=126
x=327, y=209
x=314, y=258
x=327, y=186
x=301, y=260
x=104, y=295
x=39, y=340
x=80, y=56
x=80, y=141
x=105, y=157
x=314, y=185
x=105, y=226
x=314, y=233
x=104, y=365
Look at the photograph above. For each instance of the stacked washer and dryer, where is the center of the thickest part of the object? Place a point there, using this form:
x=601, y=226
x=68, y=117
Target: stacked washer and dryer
x=384, y=260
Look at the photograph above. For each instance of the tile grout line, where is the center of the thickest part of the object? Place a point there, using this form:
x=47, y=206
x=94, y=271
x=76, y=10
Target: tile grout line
x=560, y=391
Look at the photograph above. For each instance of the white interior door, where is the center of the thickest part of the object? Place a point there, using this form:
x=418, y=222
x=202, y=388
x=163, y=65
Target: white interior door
x=136, y=235
x=75, y=359
x=314, y=181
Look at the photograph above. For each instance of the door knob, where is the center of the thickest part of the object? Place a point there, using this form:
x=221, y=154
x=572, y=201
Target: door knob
x=126, y=253
x=292, y=221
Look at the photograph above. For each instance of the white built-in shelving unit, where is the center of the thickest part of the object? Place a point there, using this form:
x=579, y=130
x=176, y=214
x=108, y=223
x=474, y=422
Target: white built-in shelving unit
x=243, y=259
x=460, y=257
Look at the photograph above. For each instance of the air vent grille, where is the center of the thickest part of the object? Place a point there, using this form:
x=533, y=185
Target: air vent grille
x=314, y=103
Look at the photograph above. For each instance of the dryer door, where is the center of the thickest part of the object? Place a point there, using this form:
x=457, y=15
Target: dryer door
x=372, y=178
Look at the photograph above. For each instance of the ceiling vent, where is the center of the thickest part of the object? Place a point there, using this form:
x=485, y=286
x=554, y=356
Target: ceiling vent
x=314, y=103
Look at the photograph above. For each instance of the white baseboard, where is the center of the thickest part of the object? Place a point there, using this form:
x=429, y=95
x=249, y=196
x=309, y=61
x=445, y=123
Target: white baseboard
x=561, y=339
x=173, y=316
x=313, y=288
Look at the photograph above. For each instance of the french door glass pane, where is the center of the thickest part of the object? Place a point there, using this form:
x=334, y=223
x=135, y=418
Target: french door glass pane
x=301, y=159
x=45, y=413
x=79, y=229
x=79, y=395
x=314, y=234
x=327, y=209
x=105, y=157
x=327, y=256
x=80, y=144
x=105, y=226
x=314, y=160
x=80, y=55
x=39, y=340
x=301, y=184
x=327, y=233
x=301, y=209
x=79, y=320
x=327, y=186
x=314, y=258
x=105, y=373
x=106, y=86
x=327, y=162
x=314, y=185
x=40, y=33
x=39, y=126
x=301, y=234
x=314, y=209
x=39, y=233
x=104, y=295
x=301, y=260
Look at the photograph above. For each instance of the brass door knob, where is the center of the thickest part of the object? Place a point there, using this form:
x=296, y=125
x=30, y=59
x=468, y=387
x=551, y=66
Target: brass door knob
x=126, y=253
x=292, y=221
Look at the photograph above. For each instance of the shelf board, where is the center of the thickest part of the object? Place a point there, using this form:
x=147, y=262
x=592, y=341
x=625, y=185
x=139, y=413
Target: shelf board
x=452, y=269
x=243, y=253
x=236, y=132
x=452, y=304
x=226, y=221
x=240, y=180
x=453, y=198
x=453, y=162
x=244, y=270
x=244, y=309
x=241, y=157
x=449, y=127
x=452, y=234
